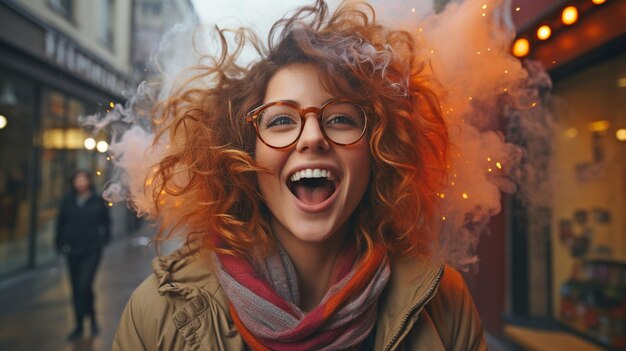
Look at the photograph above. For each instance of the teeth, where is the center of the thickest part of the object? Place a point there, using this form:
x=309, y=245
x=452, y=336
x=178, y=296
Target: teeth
x=312, y=173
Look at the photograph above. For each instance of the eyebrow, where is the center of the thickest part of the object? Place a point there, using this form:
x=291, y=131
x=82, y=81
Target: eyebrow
x=299, y=104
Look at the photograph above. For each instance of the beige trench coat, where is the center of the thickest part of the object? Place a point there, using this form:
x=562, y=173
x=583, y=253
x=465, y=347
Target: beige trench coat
x=182, y=307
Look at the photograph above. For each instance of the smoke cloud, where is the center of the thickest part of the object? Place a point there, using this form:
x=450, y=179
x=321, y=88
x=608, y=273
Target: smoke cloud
x=467, y=48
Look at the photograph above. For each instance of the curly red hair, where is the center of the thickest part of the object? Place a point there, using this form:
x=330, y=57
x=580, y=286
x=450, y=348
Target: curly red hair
x=210, y=172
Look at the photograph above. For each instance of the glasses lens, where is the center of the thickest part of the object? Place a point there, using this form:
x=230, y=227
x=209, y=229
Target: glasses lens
x=343, y=122
x=279, y=125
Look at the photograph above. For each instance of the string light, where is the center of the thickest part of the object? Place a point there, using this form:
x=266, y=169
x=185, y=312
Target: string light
x=598, y=2
x=489, y=170
x=521, y=47
x=465, y=196
x=620, y=134
x=544, y=32
x=98, y=173
x=89, y=143
x=484, y=6
x=499, y=165
x=517, y=9
x=488, y=159
x=110, y=204
x=112, y=104
x=443, y=218
x=442, y=195
x=569, y=15
x=102, y=146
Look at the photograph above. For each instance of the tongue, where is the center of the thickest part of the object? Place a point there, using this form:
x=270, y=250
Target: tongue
x=313, y=195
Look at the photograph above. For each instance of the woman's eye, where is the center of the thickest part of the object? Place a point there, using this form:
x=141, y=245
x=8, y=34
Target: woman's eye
x=341, y=119
x=279, y=120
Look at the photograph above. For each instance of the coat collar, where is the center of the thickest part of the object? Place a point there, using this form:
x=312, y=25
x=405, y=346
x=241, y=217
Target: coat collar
x=412, y=284
x=188, y=274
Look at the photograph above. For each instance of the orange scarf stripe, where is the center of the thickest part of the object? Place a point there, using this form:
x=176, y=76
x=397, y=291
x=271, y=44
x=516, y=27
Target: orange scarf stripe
x=361, y=278
x=250, y=339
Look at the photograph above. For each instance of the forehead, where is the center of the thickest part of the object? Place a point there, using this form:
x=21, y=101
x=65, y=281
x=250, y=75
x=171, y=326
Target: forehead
x=298, y=82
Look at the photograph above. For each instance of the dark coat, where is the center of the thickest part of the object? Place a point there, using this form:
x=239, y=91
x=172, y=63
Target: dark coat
x=81, y=230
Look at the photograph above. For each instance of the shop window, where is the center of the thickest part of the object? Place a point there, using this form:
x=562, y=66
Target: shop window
x=17, y=98
x=63, y=151
x=589, y=218
x=107, y=22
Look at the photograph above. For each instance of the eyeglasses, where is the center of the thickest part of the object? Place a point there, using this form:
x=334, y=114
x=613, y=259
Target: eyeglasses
x=279, y=124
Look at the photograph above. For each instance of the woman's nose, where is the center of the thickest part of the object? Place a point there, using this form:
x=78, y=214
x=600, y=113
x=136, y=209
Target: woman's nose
x=312, y=136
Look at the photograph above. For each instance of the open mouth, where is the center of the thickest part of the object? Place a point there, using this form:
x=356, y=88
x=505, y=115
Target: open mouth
x=312, y=185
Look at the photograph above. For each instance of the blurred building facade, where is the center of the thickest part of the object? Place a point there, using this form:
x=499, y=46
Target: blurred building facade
x=562, y=261
x=62, y=59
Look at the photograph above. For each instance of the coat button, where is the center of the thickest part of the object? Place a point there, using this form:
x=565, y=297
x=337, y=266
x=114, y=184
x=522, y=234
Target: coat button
x=181, y=317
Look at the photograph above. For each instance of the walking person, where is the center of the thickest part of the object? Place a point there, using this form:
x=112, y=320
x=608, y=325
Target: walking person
x=82, y=231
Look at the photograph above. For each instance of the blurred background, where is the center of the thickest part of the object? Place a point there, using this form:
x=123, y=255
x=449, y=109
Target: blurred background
x=549, y=278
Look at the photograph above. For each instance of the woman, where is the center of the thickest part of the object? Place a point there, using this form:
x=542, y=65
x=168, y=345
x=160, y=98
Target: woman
x=82, y=231
x=307, y=185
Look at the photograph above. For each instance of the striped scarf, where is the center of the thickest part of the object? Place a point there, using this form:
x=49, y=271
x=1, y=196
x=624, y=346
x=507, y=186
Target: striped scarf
x=264, y=299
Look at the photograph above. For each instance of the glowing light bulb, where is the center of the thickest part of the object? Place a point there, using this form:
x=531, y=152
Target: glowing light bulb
x=499, y=165
x=544, y=32
x=442, y=195
x=517, y=9
x=484, y=6
x=413, y=9
x=443, y=218
x=488, y=159
x=569, y=15
x=598, y=2
x=620, y=134
x=112, y=104
x=465, y=196
x=98, y=173
x=110, y=204
x=521, y=47
x=90, y=143
x=489, y=170
x=102, y=146
x=3, y=122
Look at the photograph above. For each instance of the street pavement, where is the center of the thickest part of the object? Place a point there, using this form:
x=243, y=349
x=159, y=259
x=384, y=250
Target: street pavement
x=35, y=307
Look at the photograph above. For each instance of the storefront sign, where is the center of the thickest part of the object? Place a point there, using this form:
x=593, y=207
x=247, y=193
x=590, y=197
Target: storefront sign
x=72, y=58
